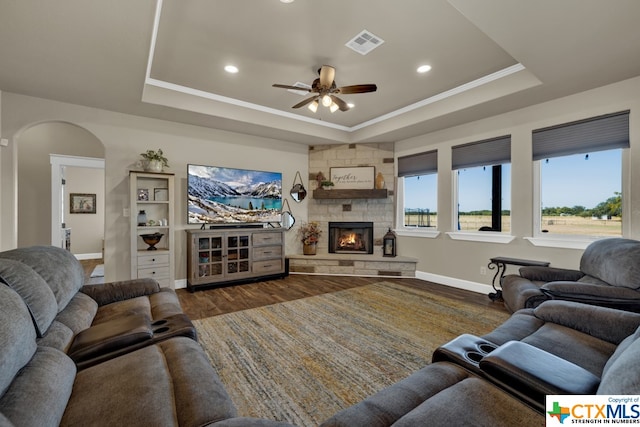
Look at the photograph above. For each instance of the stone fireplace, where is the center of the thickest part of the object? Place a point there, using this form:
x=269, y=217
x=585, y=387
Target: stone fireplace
x=350, y=237
x=363, y=220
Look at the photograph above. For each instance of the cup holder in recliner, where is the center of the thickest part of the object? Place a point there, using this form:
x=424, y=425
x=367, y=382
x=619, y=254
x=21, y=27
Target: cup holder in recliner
x=159, y=322
x=486, y=347
x=474, y=356
x=161, y=330
x=466, y=350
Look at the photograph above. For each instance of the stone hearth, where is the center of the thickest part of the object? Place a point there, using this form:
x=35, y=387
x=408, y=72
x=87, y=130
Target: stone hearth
x=353, y=265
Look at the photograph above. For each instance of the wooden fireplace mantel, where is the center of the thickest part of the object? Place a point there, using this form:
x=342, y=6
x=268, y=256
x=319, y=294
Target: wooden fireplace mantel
x=350, y=194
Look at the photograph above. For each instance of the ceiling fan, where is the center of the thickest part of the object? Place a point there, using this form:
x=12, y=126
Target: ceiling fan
x=325, y=90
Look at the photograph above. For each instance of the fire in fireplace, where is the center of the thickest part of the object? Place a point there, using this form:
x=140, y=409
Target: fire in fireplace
x=351, y=237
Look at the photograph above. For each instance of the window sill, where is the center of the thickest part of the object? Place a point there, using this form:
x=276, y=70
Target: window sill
x=564, y=242
x=481, y=236
x=417, y=232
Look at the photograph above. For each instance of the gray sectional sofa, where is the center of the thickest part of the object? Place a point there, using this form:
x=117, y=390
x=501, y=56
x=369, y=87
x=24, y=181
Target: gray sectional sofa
x=502, y=378
x=114, y=354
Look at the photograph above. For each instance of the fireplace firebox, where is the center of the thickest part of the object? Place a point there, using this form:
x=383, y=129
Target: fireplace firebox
x=351, y=237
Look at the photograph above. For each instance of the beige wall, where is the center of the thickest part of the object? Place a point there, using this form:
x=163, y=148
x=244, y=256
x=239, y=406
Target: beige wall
x=124, y=137
x=463, y=259
x=87, y=230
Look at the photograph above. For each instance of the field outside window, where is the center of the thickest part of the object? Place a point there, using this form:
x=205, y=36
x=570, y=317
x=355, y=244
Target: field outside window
x=475, y=189
x=580, y=194
x=420, y=201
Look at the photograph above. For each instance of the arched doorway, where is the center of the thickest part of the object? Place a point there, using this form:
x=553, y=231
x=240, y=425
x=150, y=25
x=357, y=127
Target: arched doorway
x=34, y=183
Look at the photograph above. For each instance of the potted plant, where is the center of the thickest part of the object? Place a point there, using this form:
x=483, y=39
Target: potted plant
x=155, y=161
x=326, y=185
x=309, y=234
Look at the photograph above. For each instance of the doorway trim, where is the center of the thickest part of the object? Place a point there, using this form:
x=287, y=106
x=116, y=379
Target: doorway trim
x=58, y=162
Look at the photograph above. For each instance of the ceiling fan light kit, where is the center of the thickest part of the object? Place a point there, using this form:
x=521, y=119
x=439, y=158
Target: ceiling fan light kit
x=325, y=89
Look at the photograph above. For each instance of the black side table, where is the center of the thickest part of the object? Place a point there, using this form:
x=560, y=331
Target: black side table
x=500, y=263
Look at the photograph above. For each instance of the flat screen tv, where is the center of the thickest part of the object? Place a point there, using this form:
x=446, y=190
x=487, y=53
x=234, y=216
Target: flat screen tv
x=220, y=195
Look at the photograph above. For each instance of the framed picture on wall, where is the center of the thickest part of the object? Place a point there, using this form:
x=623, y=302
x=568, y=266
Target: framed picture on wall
x=82, y=203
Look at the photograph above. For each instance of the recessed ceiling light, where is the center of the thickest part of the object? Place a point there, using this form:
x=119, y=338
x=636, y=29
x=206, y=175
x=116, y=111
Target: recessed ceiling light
x=351, y=105
x=231, y=69
x=286, y=1
x=424, y=68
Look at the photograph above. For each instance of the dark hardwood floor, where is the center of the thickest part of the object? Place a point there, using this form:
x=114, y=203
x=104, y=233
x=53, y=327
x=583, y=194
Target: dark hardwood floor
x=227, y=299
x=212, y=302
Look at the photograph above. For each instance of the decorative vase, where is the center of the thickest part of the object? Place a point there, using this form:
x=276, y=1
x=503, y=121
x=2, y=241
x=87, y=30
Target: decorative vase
x=379, y=181
x=309, y=249
x=154, y=166
x=142, y=218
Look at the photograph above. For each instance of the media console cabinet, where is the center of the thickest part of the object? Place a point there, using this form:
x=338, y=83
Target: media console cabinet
x=235, y=255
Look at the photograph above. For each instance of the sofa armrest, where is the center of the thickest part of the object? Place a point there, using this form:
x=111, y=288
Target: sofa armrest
x=107, y=293
x=605, y=323
x=591, y=292
x=534, y=373
x=550, y=274
x=106, y=337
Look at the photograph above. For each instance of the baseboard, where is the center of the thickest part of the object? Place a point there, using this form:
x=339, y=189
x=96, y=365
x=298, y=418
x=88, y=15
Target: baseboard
x=467, y=285
x=96, y=255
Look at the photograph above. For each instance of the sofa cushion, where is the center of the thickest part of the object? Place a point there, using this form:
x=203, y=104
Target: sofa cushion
x=169, y=383
x=159, y=305
x=17, y=336
x=59, y=268
x=615, y=261
x=621, y=374
x=79, y=314
x=39, y=394
x=32, y=288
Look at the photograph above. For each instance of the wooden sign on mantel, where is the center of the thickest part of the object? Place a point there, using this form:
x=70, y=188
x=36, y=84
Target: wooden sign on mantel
x=358, y=177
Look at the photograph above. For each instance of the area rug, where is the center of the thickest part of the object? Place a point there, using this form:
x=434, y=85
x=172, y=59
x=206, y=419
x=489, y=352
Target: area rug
x=304, y=360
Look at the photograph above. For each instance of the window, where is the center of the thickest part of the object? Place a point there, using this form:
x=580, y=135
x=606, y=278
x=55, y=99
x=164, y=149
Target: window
x=476, y=195
x=580, y=176
x=483, y=179
x=418, y=184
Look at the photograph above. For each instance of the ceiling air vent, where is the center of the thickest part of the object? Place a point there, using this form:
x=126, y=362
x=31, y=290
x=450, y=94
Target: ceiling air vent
x=364, y=42
x=300, y=85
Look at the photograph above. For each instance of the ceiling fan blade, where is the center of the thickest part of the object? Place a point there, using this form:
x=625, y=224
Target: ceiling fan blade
x=292, y=87
x=346, y=90
x=306, y=101
x=341, y=104
x=327, y=74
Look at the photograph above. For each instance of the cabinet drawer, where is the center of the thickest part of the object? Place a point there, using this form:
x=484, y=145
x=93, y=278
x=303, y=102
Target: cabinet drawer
x=270, y=266
x=151, y=260
x=267, y=238
x=267, y=252
x=153, y=272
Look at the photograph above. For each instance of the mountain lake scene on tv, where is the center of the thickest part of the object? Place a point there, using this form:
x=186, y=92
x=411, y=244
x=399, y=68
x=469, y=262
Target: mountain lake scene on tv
x=228, y=196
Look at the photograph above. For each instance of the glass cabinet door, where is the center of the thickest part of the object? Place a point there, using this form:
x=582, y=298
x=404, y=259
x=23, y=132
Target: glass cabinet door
x=209, y=256
x=237, y=254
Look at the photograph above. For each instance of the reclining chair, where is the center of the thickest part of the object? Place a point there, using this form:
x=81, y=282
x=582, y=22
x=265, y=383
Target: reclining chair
x=609, y=276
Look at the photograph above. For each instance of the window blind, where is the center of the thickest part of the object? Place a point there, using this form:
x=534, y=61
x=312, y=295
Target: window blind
x=494, y=151
x=418, y=164
x=583, y=136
